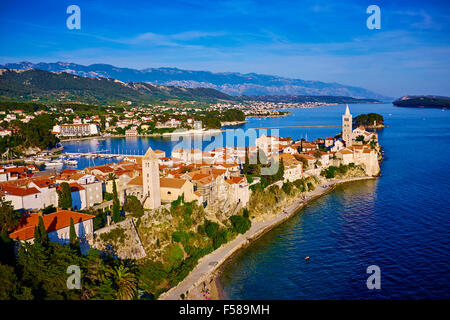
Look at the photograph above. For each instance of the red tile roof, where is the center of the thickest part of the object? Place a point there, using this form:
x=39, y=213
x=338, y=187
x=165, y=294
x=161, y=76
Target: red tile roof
x=53, y=221
x=21, y=192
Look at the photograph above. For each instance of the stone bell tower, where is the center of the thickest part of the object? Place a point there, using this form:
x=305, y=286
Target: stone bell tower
x=347, y=129
x=150, y=181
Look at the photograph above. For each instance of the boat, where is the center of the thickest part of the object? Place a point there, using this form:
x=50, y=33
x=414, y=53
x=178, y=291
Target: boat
x=54, y=163
x=71, y=162
x=39, y=161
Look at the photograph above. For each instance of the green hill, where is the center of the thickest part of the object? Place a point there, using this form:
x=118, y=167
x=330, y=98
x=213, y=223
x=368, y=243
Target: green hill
x=49, y=87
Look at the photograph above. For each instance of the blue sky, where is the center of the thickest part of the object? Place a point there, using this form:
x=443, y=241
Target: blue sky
x=312, y=40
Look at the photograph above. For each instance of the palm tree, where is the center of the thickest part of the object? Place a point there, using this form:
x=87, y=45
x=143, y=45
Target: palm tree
x=124, y=281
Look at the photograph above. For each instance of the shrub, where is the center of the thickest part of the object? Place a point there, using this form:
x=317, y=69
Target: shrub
x=287, y=187
x=134, y=206
x=329, y=172
x=211, y=228
x=173, y=254
x=240, y=224
x=343, y=169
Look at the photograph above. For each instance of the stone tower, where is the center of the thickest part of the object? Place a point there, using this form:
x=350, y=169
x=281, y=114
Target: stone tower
x=150, y=180
x=347, y=130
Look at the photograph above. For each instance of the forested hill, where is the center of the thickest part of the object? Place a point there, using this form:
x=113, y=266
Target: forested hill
x=423, y=102
x=48, y=87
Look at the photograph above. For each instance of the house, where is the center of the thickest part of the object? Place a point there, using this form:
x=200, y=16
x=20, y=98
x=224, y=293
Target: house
x=368, y=136
x=293, y=169
x=290, y=149
x=57, y=225
x=307, y=146
x=47, y=188
x=237, y=191
x=310, y=160
x=346, y=155
x=338, y=145
x=329, y=142
x=172, y=188
x=23, y=199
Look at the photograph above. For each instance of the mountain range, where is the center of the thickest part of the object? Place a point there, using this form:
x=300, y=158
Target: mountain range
x=231, y=83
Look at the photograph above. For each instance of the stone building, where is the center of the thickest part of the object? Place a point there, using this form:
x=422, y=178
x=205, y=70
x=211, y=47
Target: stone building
x=150, y=180
x=347, y=132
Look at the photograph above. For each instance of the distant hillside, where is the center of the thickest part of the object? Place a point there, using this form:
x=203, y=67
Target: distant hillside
x=231, y=83
x=44, y=86
x=423, y=102
x=301, y=99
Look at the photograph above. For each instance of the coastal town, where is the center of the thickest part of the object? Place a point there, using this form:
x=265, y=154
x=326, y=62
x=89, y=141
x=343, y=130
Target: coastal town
x=169, y=209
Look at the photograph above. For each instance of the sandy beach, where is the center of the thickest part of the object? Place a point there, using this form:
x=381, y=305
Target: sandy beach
x=202, y=283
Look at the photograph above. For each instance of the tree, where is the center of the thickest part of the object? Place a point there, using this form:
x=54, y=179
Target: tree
x=49, y=209
x=134, y=206
x=40, y=233
x=360, y=138
x=116, y=205
x=124, y=281
x=8, y=282
x=74, y=242
x=9, y=218
x=65, y=196
x=240, y=224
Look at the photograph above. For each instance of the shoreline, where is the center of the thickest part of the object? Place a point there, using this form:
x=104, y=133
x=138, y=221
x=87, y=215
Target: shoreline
x=207, y=272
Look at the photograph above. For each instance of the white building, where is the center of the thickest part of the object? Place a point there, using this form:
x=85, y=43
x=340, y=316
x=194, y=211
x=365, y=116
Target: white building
x=57, y=225
x=73, y=130
x=347, y=133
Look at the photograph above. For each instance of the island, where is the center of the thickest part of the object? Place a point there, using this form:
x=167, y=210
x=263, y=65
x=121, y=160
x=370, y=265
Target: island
x=423, y=102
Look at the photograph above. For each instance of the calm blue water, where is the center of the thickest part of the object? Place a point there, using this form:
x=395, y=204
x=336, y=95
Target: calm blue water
x=399, y=222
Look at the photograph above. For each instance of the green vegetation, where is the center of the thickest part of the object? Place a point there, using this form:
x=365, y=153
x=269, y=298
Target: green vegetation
x=332, y=171
x=240, y=223
x=65, y=196
x=51, y=87
x=367, y=120
x=115, y=236
x=49, y=209
x=35, y=133
x=9, y=218
x=133, y=206
x=423, y=102
x=74, y=242
x=213, y=119
x=116, y=216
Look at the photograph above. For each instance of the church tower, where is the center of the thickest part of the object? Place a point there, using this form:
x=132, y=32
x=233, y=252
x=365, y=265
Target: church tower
x=347, y=129
x=150, y=180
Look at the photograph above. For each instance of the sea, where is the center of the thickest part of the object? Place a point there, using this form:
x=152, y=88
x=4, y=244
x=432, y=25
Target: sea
x=398, y=224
